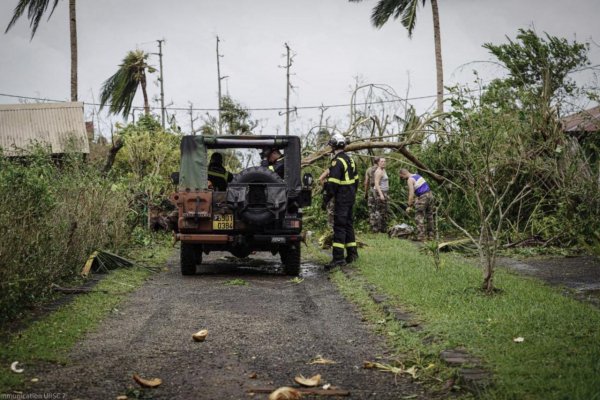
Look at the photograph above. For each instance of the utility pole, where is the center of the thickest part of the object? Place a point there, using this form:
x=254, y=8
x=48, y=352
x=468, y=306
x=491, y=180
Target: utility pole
x=287, y=87
x=162, y=91
x=219, y=79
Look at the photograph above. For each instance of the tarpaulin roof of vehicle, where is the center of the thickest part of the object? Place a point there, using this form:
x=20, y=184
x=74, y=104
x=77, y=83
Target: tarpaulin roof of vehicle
x=58, y=127
x=194, y=163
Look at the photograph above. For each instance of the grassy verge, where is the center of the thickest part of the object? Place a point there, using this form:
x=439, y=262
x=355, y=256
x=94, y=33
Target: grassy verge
x=559, y=358
x=50, y=338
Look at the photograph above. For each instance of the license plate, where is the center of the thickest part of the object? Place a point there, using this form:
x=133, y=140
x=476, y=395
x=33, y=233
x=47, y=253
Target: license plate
x=222, y=222
x=277, y=239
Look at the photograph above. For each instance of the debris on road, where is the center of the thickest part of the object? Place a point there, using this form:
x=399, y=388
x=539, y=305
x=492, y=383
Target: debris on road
x=332, y=391
x=285, y=393
x=412, y=371
x=104, y=261
x=308, y=382
x=147, y=383
x=519, y=339
x=320, y=360
x=14, y=367
x=200, y=336
x=253, y=375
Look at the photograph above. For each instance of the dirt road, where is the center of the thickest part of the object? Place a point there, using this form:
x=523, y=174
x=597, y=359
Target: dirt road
x=269, y=326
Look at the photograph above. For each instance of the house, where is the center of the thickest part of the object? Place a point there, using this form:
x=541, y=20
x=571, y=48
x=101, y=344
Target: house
x=582, y=123
x=59, y=127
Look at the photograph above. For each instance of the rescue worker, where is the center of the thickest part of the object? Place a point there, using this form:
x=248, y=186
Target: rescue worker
x=217, y=174
x=274, y=160
x=420, y=195
x=370, y=193
x=341, y=186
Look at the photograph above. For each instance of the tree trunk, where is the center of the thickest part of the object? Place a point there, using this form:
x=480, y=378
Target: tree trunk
x=438, y=56
x=112, y=155
x=73, y=34
x=146, y=104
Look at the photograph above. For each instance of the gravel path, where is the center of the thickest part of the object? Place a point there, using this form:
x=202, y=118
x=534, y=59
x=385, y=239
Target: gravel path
x=270, y=327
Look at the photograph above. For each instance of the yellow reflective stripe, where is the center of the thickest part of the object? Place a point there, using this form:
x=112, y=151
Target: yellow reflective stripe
x=334, y=180
x=272, y=168
x=351, y=244
x=217, y=174
x=346, y=180
x=338, y=245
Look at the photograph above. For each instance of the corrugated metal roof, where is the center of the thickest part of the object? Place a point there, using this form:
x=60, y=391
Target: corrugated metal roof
x=57, y=126
x=584, y=121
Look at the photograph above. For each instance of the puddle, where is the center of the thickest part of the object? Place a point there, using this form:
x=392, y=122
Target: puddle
x=264, y=264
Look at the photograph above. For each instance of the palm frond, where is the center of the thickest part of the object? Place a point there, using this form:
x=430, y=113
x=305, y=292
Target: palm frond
x=35, y=10
x=409, y=16
x=118, y=91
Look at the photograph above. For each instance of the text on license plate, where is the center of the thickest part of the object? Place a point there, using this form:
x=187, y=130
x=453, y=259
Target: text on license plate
x=223, y=221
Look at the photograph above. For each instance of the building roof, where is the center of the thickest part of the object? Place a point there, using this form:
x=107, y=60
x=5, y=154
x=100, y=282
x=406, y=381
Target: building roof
x=584, y=121
x=58, y=126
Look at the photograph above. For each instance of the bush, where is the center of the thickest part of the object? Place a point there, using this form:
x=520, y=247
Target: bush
x=52, y=216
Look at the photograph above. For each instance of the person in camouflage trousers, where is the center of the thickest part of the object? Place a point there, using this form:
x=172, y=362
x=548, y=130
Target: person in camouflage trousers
x=419, y=194
x=381, y=190
x=369, y=188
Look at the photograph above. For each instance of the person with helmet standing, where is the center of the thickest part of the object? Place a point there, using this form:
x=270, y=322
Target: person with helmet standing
x=424, y=204
x=341, y=186
x=273, y=160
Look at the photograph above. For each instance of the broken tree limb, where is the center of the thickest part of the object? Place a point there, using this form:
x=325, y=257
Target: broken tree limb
x=75, y=290
x=112, y=155
x=362, y=145
x=306, y=391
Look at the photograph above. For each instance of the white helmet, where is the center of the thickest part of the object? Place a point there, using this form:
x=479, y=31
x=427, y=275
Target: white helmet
x=337, y=141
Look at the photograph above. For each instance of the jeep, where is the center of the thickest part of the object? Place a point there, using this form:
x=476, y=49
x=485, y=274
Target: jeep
x=259, y=211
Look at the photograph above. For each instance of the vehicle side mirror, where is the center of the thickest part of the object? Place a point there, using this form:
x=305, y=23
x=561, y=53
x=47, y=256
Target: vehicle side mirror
x=307, y=180
x=175, y=178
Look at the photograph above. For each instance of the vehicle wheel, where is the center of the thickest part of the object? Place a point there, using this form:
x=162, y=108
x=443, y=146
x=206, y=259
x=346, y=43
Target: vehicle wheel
x=290, y=258
x=190, y=257
x=257, y=175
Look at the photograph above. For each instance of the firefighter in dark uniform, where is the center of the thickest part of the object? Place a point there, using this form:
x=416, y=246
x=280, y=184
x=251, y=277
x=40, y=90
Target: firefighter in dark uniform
x=217, y=173
x=341, y=185
x=274, y=160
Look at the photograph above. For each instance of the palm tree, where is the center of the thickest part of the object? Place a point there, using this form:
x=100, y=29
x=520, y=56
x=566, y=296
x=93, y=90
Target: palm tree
x=35, y=10
x=119, y=90
x=406, y=10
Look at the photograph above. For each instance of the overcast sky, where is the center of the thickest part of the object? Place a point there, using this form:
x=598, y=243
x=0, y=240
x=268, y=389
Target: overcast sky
x=333, y=42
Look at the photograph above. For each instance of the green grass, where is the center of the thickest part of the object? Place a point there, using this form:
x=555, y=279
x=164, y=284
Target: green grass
x=559, y=359
x=235, y=282
x=50, y=338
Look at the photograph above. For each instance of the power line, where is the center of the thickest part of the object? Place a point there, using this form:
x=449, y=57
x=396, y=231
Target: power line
x=397, y=100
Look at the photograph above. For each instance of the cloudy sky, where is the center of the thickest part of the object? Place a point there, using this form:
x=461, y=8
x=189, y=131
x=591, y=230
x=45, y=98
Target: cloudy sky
x=333, y=42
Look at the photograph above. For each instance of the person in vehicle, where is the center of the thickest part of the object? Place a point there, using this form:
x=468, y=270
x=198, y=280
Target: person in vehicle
x=273, y=160
x=217, y=174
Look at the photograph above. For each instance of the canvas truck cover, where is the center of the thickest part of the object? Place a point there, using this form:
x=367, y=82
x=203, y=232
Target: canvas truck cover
x=194, y=157
x=193, y=173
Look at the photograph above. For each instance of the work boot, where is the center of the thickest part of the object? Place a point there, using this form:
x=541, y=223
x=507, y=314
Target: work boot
x=335, y=263
x=350, y=258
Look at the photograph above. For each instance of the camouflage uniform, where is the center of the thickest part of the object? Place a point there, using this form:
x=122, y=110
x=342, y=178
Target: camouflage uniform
x=380, y=215
x=424, y=209
x=373, y=222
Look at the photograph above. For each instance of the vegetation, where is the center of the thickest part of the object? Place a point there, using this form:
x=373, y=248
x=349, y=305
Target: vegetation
x=119, y=90
x=406, y=10
x=557, y=359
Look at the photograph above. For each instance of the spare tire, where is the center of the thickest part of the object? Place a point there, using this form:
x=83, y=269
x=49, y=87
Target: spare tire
x=256, y=211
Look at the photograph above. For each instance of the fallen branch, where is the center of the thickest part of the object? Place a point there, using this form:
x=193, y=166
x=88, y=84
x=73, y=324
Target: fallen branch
x=75, y=290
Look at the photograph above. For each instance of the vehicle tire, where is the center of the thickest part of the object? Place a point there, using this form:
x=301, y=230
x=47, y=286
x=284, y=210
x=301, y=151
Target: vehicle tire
x=257, y=175
x=257, y=215
x=191, y=255
x=290, y=258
